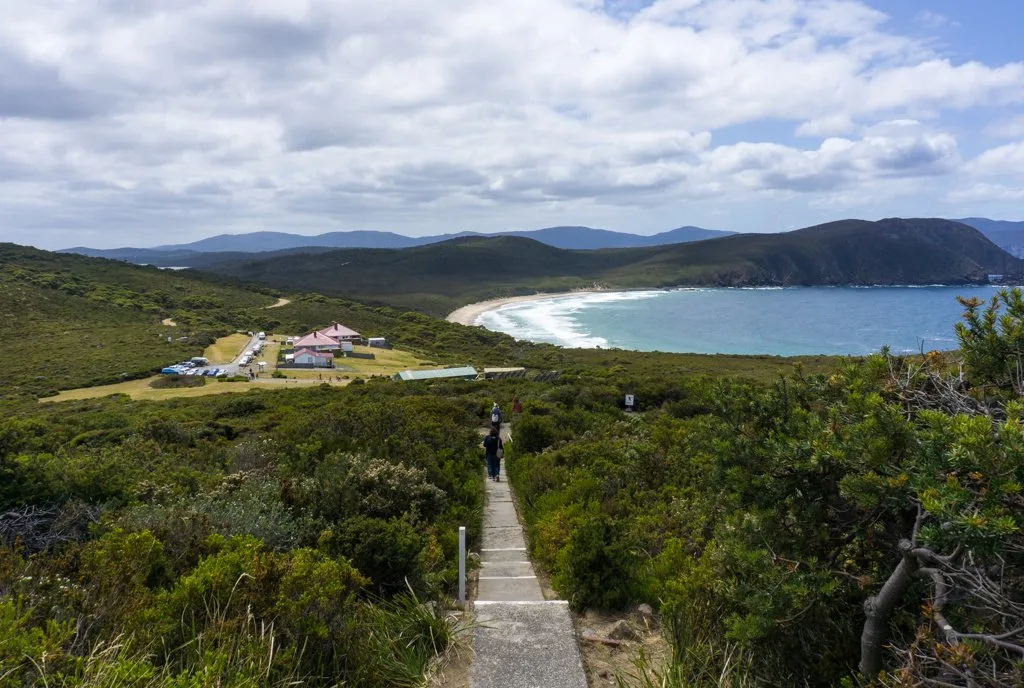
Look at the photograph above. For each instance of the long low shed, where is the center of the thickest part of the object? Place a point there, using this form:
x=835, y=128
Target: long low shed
x=504, y=373
x=463, y=373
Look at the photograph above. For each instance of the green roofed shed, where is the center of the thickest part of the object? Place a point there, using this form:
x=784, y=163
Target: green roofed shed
x=463, y=373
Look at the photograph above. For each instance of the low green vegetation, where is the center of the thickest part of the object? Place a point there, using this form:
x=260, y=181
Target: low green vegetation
x=805, y=531
x=177, y=382
x=285, y=538
x=809, y=521
x=71, y=321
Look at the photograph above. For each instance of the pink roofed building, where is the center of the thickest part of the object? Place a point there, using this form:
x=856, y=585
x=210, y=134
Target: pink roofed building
x=317, y=359
x=317, y=342
x=341, y=333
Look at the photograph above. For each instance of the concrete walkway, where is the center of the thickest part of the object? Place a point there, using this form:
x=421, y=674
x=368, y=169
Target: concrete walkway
x=522, y=640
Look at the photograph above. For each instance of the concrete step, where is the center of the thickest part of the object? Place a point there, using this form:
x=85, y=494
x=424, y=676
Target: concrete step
x=504, y=554
x=509, y=590
x=502, y=537
x=510, y=568
x=525, y=645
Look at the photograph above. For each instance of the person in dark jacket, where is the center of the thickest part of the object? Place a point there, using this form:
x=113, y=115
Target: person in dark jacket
x=492, y=447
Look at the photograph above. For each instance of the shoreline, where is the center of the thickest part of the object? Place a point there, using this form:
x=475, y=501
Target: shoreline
x=468, y=314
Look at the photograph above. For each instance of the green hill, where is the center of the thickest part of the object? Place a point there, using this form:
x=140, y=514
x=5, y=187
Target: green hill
x=891, y=251
x=71, y=321
x=438, y=277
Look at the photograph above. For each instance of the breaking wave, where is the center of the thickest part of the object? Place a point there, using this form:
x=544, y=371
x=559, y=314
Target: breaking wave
x=553, y=320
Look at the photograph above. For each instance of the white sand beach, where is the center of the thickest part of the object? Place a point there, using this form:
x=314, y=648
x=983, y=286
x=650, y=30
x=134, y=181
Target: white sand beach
x=467, y=315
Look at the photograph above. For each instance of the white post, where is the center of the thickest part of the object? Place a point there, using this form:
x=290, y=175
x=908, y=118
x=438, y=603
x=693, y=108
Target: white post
x=462, y=564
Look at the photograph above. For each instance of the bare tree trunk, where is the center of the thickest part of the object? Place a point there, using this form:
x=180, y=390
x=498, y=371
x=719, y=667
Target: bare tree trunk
x=879, y=609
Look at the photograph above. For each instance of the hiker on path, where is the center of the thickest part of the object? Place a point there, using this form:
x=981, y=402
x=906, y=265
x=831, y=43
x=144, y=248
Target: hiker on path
x=495, y=417
x=494, y=451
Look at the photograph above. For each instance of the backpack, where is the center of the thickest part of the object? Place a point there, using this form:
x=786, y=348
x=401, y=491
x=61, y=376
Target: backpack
x=495, y=416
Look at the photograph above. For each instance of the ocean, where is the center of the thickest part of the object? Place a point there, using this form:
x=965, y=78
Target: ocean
x=778, y=321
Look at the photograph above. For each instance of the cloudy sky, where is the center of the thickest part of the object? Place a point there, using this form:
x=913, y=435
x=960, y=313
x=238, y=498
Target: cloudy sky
x=143, y=122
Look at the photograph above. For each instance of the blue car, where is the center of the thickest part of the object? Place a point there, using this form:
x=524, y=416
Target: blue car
x=169, y=371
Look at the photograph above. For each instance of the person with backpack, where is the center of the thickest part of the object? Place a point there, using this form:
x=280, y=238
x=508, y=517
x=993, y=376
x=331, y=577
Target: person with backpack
x=494, y=452
x=496, y=416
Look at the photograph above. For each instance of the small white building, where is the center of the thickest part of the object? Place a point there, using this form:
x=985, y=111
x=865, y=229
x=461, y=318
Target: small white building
x=314, y=359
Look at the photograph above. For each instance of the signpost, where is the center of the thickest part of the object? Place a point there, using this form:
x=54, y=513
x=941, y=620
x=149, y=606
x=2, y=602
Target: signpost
x=462, y=564
x=630, y=401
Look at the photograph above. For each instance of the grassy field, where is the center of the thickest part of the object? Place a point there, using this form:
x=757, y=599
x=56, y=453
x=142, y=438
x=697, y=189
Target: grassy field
x=225, y=349
x=387, y=362
x=140, y=390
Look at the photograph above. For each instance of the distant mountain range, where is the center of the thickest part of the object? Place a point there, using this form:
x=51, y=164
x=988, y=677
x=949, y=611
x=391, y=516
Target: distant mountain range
x=1007, y=235
x=436, y=277
x=265, y=242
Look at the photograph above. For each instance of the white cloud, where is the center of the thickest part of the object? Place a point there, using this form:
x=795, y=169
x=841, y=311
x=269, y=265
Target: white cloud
x=128, y=116
x=838, y=163
x=1004, y=160
x=986, y=193
x=831, y=125
x=934, y=20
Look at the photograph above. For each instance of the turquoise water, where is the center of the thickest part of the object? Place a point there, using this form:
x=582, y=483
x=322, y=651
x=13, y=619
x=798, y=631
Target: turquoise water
x=785, y=322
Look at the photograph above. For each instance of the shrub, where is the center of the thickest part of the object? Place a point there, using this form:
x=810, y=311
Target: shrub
x=118, y=574
x=24, y=645
x=389, y=552
x=596, y=569
x=241, y=505
x=317, y=608
x=177, y=382
x=346, y=485
x=534, y=433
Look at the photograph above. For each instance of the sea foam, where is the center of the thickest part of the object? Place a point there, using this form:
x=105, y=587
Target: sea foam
x=553, y=320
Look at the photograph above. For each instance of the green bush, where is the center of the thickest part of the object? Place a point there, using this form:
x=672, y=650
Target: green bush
x=597, y=568
x=534, y=433
x=177, y=382
x=346, y=485
x=389, y=552
x=118, y=575
x=318, y=610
